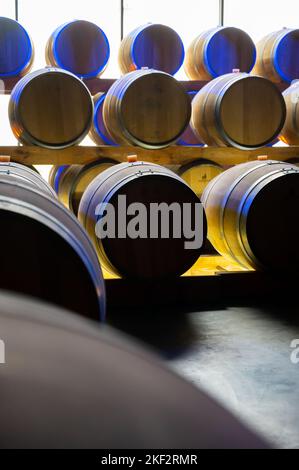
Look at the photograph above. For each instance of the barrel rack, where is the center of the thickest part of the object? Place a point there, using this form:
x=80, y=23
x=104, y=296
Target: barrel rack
x=212, y=278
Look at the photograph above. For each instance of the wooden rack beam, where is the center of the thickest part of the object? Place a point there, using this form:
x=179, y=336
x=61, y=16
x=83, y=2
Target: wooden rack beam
x=175, y=155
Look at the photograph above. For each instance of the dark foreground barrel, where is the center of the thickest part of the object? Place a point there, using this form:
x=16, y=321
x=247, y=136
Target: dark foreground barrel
x=290, y=131
x=51, y=108
x=253, y=214
x=146, y=108
x=26, y=175
x=98, y=132
x=199, y=173
x=68, y=385
x=219, y=51
x=76, y=179
x=151, y=221
x=238, y=110
x=188, y=137
x=45, y=252
x=278, y=56
x=16, y=49
x=81, y=47
x=154, y=46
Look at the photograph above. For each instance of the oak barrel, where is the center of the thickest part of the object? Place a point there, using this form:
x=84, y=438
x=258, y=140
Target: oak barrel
x=219, y=51
x=238, y=110
x=278, y=56
x=76, y=178
x=65, y=381
x=98, y=131
x=146, y=108
x=46, y=253
x=188, y=137
x=253, y=214
x=16, y=49
x=79, y=46
x=148, y=250
x=26, y=175
x=199, y=173
x=51, y=108
x=154, y=46
x=55, y=176
x=290, y=131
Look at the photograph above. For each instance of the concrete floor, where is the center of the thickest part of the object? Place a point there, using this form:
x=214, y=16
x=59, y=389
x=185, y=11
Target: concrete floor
x=240, y=355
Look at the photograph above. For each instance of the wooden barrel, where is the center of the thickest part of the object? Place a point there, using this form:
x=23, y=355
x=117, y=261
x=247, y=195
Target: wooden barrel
x=25, y=175
x=278, y=56
x=151, y=254
x=80, y=47
x=290, y=131
x=238, y=110
x=219, y=51
x=253, y=212
x=76, y=179
x=49, y=254
x=154, y=46
x=199, y=173
x=51, y=108
x=146, y=108
x=69, y=381
x=55, y=176
x=16, y=49
x=98, y=131
x=188, y=137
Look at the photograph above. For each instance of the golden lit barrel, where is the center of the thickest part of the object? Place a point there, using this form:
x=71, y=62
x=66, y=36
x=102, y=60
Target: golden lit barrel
x=45, y=251
x=16, y=49
x=238, y=110
x=51, y=108
x=199, y=173
x=253, y=212
x=76, y=178
x=150, y=214
x=146, y=108
x=219, y=51
x=290, y=132
x=188, y=137
x=154, y=46
x=79, y=46
x=98, y=131
x=278, y=56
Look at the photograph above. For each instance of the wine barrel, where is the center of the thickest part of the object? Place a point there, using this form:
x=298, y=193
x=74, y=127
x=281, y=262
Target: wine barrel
x=69, y=381
x=98, y=132
x=26, y=175
x=219, y=51
x=55, y=176
x=154, y=46
x=238, y=110
x=79, y=46
x=253, y=211
x=290, y=131
x=51, y=256
x=16, y=49
x=149, y=253
x=76, y=179
x=146, y=108
x=278, y=56
x=188, y=137
x=199, y=173
x=51, y=108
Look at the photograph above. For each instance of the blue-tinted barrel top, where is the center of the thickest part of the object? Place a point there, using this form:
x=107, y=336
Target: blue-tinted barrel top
x=188, y=137
x=154, y=46
x=80, y=47
x=228, y=49
x=286, y=56
x=98, y=132
x=16, y=49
